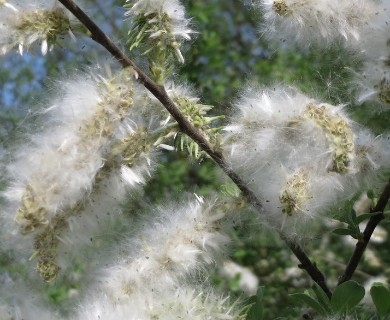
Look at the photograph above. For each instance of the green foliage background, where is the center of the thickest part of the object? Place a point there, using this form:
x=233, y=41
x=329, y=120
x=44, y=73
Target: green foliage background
x=227, y=54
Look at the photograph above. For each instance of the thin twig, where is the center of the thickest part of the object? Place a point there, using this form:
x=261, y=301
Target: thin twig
x=368, y=231
x=342, y=266
x=159, y=92
x=307, y=265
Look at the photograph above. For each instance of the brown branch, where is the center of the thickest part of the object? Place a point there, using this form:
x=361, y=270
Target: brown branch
x=342, y=266
x=367, y=233
x=159, y=92
x=307, y=265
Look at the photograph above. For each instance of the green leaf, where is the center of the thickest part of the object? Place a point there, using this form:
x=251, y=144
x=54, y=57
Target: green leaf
x=196, y=151
x=312, y=303
x=230, y=189
x=345, y=232
x=365, y=216
x=346, y=296
x=322, y=298
x=371, y=194
x=352, y=215
x=373, y=197
x=256, y=310
x=380, y=295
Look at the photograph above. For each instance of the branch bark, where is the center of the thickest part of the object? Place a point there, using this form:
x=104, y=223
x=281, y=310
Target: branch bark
x=367, y=233
x=159, y=92
x=308, y=265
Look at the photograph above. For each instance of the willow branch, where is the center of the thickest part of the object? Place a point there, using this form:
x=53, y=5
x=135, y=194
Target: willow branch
x=186, y=127
x=367, y=233
x=307, y=265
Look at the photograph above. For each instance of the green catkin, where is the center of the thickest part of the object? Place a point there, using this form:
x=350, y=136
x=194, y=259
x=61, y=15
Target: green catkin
x=384, y=91
x=51, y=23
x=46, y=243
x=161, y=49
x=32, y=213
x=133, y=146
x=126, y=151
x=281, y=8
x=295, y=192
x=338, y=133
x=196, y=113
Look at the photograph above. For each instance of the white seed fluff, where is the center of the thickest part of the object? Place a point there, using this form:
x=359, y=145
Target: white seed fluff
x=316, y=22
x=29, y=22
x=299, y=155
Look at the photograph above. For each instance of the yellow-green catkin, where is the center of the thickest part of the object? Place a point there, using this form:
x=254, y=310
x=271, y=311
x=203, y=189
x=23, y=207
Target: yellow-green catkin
x=46, y=243
x=280, y=7
x=196, y=113
x=383, y=88
x=159, y=48
x=295, y=192
x=115, y=104
x=50, y=23
x=384, y=91
x=32, y=212
x=132, y=147
x=338, y=133
x=124, y=152
x=111, y=110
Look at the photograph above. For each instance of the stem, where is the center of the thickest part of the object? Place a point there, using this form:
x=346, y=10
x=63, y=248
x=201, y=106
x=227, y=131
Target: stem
x=367, y=233
x=159, y=92
x=307, y=265
x=342, y=266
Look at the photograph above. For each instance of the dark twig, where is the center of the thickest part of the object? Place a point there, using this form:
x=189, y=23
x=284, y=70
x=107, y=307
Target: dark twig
x=368, y=231
x=307, y=265
x=159, y=92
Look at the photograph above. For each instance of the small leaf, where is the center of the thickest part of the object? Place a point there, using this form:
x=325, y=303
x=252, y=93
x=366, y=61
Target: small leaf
x=344, y=232
x=346, y=296
x=190, y=148
x=365, y=216
x=322, y=297
x=196, y=151
x=230, y=189
x=380, y=295
x=352, y=215
x=371, y=194
x=312, y=303
x=181, y=143
x=256, y=310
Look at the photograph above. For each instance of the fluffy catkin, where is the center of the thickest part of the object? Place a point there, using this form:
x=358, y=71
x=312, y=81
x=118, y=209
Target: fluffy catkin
x=159, y=29
x=154, y=275
x=299, y=155
x=24, y=23
x=56, y=168
x=374, y=78
x=316, y=22
x=93, y=142
x=18, y=301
